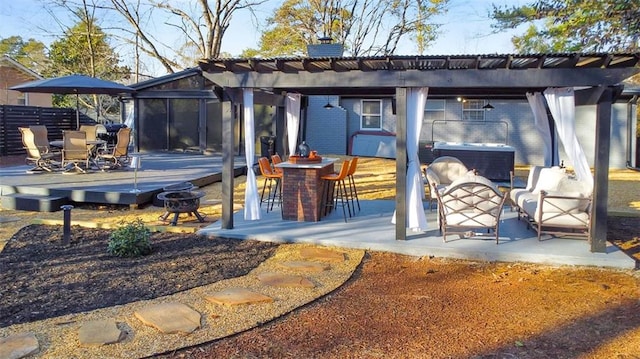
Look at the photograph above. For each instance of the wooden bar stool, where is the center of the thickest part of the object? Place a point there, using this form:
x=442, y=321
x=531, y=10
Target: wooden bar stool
x=271, y=179
x=335, y=185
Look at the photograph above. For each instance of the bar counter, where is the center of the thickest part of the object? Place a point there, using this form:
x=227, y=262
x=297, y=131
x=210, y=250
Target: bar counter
x=302, y=189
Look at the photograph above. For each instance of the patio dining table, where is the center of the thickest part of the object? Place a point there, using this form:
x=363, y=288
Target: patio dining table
x=95, y=145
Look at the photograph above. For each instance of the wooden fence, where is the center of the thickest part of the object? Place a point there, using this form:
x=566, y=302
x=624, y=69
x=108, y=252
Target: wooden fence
x=56, y=120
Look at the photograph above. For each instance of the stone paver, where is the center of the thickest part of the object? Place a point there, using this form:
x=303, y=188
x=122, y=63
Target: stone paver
x=100, y=332
x=305, y=266
x=237, y=296
x=170, y=318
x=285, y=280
x=19, y=346
x=322, y=254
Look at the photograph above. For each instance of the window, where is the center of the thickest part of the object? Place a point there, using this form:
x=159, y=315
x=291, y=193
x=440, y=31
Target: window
x=22, y=99
x=371, y=115
x=472, y=110
x=434, y=110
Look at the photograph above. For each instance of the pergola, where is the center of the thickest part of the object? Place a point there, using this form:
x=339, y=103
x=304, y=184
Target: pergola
x=596, y=77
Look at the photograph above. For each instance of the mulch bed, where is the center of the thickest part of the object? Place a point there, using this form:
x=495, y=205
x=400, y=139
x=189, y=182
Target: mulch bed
x=41, y=278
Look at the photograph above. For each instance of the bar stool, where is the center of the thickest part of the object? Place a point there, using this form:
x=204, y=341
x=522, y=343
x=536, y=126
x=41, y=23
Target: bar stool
x=353, y=191
x=335, y=181
x=271, y=179
x=275, y=159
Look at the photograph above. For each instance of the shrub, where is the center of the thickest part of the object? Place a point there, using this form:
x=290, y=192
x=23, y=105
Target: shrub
x=131, y=239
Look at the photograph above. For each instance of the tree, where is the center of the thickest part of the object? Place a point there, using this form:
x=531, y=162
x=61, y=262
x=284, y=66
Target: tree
x=363, y=27
x=573, y=25
x=84, y=49
x=31, y=53
x=202, y=24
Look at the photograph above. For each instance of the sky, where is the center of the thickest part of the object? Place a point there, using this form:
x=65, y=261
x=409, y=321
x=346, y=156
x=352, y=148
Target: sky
x=465, y=28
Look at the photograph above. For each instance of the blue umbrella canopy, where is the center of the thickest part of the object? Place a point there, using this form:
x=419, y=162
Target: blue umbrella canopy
x=74, y=84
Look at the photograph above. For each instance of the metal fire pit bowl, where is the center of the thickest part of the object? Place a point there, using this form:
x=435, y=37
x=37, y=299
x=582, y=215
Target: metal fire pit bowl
x=181, y=202
x=179, y=187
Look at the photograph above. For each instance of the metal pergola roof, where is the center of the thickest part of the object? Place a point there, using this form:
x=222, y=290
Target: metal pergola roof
x=509, y=75
x=597, y=78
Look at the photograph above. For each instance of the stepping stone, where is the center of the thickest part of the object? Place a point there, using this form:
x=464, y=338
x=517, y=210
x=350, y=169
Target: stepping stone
x=322, y=254
x=237, y=296
x=285, y=280
x=305, y=266
x=100, y=332
x=19, y=346
x=170, y=318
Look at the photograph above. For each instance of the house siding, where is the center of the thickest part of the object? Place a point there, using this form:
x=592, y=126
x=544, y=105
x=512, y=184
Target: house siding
x=510, y=122
x=326, y=130
x=9, y=77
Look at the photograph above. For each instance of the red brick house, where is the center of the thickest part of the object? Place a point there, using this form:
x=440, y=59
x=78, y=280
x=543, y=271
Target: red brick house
x=13, y=73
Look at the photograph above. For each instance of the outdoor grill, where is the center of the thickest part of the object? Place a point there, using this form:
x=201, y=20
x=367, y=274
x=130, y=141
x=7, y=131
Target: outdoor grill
x=180, y=198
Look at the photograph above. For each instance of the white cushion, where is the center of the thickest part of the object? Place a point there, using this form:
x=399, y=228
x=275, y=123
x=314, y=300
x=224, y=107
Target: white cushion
x=549, y=179
x=448, y=171
x=471, y=220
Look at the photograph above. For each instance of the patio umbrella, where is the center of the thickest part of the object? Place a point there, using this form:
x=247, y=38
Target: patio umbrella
x=74, y=84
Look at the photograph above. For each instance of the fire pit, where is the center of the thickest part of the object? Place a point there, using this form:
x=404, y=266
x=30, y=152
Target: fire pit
x=178, y=199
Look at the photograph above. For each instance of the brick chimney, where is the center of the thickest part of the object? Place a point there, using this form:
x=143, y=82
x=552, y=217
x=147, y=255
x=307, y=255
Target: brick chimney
x=325, y=48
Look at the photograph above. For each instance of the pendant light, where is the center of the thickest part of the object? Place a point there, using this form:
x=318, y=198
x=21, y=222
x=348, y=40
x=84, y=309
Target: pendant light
x=488, y=106
x=328, y=106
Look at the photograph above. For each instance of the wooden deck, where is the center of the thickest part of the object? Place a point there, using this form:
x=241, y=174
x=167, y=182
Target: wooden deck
x=157, y=171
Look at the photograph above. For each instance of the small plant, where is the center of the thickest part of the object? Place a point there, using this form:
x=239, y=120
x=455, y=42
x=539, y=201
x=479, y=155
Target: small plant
x=131, y=239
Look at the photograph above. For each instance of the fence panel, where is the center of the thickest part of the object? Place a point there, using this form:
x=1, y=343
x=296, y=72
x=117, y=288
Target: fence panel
x=56, y=120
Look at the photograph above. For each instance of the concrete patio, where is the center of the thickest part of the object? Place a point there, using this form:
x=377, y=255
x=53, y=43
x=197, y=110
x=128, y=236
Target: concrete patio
x=372, y=229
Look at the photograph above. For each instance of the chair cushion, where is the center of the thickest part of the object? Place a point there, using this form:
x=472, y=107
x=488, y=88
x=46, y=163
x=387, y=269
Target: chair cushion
x=549, y=179
x=448, y=171
x=471, y=220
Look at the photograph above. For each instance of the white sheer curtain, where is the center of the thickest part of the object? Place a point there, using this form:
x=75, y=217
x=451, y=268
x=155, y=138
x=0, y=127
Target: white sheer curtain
x=251, y=198
x=416, y=101
x=562, y=106
x=292, y=104
x=536, y=101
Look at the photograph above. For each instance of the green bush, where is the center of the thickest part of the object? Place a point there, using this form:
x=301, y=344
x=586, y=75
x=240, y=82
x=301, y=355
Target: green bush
x=131, y=239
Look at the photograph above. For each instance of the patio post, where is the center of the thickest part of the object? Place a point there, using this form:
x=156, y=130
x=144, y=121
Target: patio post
x=598, y=231
x=228, y=145
x=401, y=163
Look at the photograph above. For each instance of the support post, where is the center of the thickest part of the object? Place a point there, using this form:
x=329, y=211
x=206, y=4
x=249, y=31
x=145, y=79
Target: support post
x=228, y=145
x=598, y=230
x=401, y=163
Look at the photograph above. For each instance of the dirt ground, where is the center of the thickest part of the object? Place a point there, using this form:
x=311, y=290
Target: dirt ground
x=406, y=307
x=43, y=278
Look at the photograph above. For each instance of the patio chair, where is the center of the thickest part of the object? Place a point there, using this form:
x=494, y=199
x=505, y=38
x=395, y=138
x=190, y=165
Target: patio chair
x=276, y=159
x=273, y=180
x=41, y=137
x=37, y=156
x=335, y=190
x=469, y=203
x=352, y=183
x=117, y=155
x=441, y=173
x=75, y=151
x=563, y=211
x=90, y=130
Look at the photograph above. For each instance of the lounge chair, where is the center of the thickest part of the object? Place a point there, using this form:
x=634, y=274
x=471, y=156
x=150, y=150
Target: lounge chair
x=75, y=151
x=470, y=202
x=38, y=156
x=441, y=173
x=118, y=155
